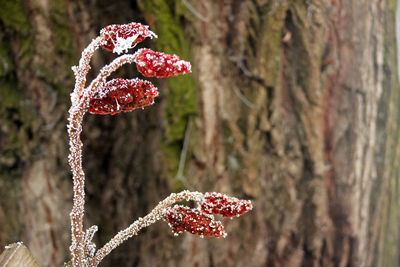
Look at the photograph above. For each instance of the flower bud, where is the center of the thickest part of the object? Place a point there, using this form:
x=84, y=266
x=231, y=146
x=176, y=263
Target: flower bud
x=217, y=203
x=160, y=65
x=119, y=95
x=120, y=37
x=181, y=218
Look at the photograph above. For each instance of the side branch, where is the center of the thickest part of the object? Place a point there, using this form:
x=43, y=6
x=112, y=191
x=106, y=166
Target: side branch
x=83, y=68
x=155, y=215
x=105, y=72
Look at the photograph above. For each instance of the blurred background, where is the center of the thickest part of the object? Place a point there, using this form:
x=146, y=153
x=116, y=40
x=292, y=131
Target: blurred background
x=292, y=104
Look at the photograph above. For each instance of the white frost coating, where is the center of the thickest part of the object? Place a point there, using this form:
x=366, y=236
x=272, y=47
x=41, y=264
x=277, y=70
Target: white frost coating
x=159, y=60
x=73, y=97
x=75, y=69
x=18, y=244
x=152, y=34
x=178, y=65
x=76, y=113
x=123, y=44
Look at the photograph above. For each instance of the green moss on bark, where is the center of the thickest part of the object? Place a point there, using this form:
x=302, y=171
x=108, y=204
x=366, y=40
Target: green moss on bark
x=47, y=60
x=6, y=63
x=17, y=26
x=268, y=39
x=387, y=252
x=164, y=18
x=17, y=115
x=19, y=125
x=63, y=40
x=14, y=16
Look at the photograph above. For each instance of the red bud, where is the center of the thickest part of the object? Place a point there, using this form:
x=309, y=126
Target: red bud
x=217, y=203
x=160, y=65
x=120, y=95
x=181, y=218
x=120, y=37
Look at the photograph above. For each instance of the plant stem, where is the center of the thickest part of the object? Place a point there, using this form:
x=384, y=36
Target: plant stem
x=155, y=215
x=80, y=101
x=77, y=110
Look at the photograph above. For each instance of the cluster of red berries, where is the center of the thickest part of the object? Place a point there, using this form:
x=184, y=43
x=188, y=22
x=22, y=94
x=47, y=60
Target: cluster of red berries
x=121, y=95
x=181, y=218
x=160, y=65
x=216, y=203
x=200, y=221
x=112, y=35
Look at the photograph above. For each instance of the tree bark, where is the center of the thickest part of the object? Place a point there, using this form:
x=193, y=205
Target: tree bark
x=293, y=104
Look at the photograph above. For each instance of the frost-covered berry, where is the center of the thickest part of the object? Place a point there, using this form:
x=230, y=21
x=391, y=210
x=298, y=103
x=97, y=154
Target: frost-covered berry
x=120, y=37
x=217, y=203
x=119, y=95
x=181, y=218
x=160, y=65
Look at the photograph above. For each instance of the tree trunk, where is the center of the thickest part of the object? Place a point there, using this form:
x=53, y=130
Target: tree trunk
x=293, y=104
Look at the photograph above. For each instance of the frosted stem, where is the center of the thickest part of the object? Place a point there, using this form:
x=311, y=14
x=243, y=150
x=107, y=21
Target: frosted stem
x=104, y=73
x=76, y=112
x=80, y=101
x=155, y=215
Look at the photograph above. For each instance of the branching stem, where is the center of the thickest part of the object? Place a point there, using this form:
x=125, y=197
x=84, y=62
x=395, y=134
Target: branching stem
x=76, y=112
x=152, y=217
x=80, y=102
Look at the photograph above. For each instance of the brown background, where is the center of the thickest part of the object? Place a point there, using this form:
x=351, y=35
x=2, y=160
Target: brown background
x=293, y=104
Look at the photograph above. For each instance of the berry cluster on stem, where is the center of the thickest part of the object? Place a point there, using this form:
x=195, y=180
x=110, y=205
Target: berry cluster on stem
x=124, y=95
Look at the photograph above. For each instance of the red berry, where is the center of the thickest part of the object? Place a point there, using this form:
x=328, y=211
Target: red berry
x=181, y=218
x=120, y=37
x=160, y=65
x=120, y=95
x=217, y=203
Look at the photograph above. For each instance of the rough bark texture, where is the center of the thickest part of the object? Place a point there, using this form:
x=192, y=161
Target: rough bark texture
x=293, y=104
